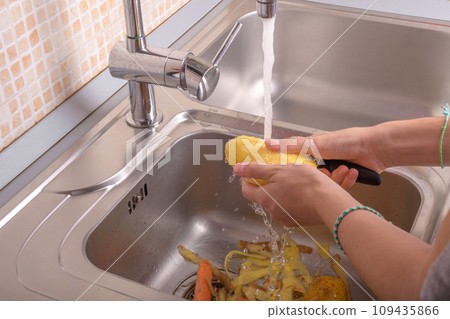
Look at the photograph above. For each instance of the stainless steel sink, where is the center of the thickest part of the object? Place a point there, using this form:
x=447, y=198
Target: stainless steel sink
x=379, y=70
x=96, y=225
x=210, y=218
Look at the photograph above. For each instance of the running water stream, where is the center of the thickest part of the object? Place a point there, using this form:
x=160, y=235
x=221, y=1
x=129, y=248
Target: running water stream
x=269, y=58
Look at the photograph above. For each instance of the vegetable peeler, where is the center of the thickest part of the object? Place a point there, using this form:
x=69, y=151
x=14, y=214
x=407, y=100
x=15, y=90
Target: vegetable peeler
x=365, y=176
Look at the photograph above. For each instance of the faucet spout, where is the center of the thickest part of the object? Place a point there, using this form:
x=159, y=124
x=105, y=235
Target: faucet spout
x=267, y=8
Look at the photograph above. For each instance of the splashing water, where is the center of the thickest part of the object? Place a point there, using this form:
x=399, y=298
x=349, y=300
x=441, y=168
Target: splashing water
x=269, y=58
x=275, y=237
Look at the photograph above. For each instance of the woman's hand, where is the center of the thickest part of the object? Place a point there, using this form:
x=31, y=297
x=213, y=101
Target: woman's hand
x=343, y=176
x=296, y=194
x=353, y=145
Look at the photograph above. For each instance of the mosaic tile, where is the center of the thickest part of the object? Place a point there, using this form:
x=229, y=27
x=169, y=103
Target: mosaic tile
x=49, y=49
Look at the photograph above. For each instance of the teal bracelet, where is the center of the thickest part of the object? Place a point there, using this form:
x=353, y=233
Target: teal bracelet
x=345, y=213
x=446, y=113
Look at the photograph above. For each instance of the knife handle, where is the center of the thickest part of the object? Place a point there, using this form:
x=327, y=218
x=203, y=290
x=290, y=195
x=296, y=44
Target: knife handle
x=365, y=175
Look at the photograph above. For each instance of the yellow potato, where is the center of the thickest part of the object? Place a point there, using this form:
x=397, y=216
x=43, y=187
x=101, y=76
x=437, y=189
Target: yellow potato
x=327, y=288
x=244, y=149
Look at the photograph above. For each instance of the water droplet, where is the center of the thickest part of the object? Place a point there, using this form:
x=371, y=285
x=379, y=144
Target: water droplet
x=232, y=177
x=224, y=229
x=236, y=209
x=243, y=218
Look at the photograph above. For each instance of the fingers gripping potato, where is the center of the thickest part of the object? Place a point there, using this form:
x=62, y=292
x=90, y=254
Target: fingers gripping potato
x=245, y=149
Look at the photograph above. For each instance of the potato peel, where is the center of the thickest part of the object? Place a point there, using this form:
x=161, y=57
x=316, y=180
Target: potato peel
x=261, y=276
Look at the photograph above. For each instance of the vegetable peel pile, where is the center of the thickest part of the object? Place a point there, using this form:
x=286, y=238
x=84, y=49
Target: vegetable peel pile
x=264, y=276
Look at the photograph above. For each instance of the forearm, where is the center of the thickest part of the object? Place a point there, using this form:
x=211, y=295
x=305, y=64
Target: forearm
x=389, y=260
x=411, y=142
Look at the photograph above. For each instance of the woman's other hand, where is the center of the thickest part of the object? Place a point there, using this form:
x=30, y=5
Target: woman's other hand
x=296, y=194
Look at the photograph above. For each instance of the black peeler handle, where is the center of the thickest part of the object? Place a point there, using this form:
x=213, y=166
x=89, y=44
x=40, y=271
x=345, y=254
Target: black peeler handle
x=365, y=176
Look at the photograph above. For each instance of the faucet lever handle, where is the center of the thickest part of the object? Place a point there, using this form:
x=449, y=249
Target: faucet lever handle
x=200, y=77
x=226, y=44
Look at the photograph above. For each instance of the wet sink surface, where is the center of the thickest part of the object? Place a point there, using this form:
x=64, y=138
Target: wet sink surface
x=210, y=217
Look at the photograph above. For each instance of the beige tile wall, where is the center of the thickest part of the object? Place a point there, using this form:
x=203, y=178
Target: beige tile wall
x=49, y=49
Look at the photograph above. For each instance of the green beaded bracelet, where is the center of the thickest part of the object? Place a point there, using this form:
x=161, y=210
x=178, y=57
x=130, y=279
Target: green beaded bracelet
x=446, y=113
x=345, y=213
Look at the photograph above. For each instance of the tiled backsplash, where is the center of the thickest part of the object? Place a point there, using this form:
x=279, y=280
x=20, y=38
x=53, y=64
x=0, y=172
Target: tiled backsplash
x=49, y=49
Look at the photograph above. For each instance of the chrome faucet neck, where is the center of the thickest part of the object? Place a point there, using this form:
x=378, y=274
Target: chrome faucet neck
x=142, y=96
x=134, y=25
x=266, y=8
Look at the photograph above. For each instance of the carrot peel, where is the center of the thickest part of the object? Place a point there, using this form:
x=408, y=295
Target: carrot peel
x=203, y=283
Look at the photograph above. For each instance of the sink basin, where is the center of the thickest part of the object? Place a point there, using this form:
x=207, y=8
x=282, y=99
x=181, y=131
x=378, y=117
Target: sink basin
x=210, y=217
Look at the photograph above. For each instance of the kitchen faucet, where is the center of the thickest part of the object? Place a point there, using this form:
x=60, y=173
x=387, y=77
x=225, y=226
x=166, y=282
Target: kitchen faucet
x=267, y=8
x=144, y=66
